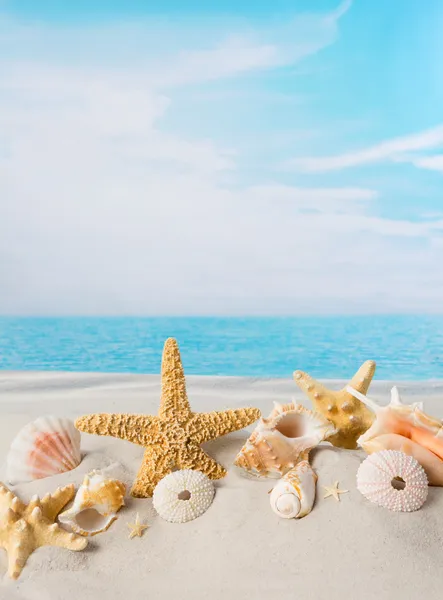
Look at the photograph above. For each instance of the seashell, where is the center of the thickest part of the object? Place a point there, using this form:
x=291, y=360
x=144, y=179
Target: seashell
x=183, y=496
x=47, y=446
x=282, y=440
x=293, y=496
x=95, y=505
x=408, y=429
x=394, y=480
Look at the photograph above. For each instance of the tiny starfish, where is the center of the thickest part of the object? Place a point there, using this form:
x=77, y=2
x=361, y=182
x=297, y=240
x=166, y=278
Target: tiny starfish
x=350, y=417
x=26, y=527
x=334, y=491
x=136, y=528
x=173, y=437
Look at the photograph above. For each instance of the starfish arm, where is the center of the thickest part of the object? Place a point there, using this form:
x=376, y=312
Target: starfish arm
x=362, y=379
x=133, y=428
x=63, y=539
x=3, y=536
x=174, y=400
x=349, y=416
x=209, y=426
x=19, y=550
x=195, y=458
x=47, y=533
x=312, y=388
x=52, y=504
x=7, y=498
x=157, y=463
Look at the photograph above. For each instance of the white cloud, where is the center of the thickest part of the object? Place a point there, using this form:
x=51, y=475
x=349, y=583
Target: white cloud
x=164, y=54
x=389, y=150
x=103, y=210
x=433, y=163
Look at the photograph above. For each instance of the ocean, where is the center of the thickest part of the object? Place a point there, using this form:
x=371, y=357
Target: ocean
x=404, y=347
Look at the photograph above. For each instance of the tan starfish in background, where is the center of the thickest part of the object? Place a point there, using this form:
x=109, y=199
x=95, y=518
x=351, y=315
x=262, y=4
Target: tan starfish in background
x=173, y=438
x=334, y=491
x=26, y=527
x=350, y=416
x=136, y=528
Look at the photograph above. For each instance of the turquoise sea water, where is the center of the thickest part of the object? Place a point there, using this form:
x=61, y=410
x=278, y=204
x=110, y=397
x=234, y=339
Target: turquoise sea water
x=405, y=347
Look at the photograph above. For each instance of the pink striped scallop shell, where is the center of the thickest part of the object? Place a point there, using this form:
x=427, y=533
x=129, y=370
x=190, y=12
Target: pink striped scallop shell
x=48, y=446
x=381, y=471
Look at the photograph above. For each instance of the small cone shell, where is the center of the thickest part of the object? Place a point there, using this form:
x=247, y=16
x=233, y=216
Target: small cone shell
x=294, y=495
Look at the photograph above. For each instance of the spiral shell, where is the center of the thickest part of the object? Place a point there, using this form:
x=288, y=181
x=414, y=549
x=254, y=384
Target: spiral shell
x=47, y=446
x=382, y=473
x=183, y=495
x=95, y=505
x=293, y=496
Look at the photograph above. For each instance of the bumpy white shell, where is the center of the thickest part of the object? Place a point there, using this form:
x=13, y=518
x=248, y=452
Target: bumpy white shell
x=47, y=446
x=375, y=480
x=183, y=495
x=95, y=505
x=293, y=496
x=282, y=440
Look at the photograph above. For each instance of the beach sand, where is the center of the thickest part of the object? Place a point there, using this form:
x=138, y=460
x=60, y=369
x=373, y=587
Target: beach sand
x=239, y=549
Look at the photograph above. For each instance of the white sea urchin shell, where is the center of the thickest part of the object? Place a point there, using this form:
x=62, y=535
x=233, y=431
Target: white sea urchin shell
x=183, y=495
x=381, y=472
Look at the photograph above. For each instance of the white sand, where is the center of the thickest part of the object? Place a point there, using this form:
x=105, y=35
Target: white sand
x=239, y=549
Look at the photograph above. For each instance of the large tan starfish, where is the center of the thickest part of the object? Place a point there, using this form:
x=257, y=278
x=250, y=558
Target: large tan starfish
x=350, y=416
x=26, y=527
x=173, y=438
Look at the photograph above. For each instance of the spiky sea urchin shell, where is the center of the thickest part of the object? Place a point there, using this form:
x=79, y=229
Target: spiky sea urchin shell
x=376, y=478
x=183, y=495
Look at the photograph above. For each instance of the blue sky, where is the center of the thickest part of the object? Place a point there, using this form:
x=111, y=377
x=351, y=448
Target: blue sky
x=157, y=158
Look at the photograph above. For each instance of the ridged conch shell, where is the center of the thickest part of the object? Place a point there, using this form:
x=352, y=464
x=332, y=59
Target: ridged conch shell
x=47, y=446
x=282, y=440
x=183, y=495
x=408, y=429
x=394, y=480
x=293, y=496
x=95, y=505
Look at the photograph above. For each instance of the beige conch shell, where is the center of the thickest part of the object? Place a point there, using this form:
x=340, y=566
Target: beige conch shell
x=95, y=505
x=282, y=440
x=406, y=428
x=293, y=496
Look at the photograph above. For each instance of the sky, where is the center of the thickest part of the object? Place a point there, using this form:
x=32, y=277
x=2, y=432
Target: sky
x=231, y=157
